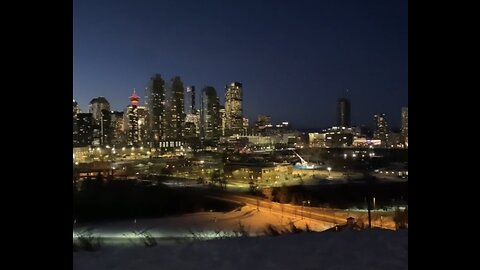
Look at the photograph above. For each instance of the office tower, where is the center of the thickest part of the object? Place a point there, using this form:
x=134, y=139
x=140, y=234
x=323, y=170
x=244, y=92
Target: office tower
x=132, y=120
x=76, y=111
x=233, y=109
x=105, y=128
x=175, y=113
x=156, y=106
x=190, y=100
x=142, y=114
x=223, y=120
x=117, y=128
x=381, y=131
x=76, y=108
x=96, y=106
x=85, y=129
x=343, y=113
x=404, y=132
x=209, y=114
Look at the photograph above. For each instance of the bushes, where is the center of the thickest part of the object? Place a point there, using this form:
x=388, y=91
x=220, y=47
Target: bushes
x=86, y=241
x=219, y=234
x=146, y=238
x=291, y=229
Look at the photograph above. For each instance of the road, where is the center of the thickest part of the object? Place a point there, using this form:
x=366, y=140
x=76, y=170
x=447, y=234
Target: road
x=330, y=215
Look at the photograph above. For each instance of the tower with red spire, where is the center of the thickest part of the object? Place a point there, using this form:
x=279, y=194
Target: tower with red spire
x=134, y=98
x=133, y=130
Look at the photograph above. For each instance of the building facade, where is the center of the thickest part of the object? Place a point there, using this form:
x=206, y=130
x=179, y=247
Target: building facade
x=404, y=131
x=175, y=110
x=96, y=106
x=190, y=106
x=233, y=109
x=381, y=129
x=132, y=121
x=210, y=115
x=85, y=130
x=156, y=106
x=118, y=129
x=343, y=113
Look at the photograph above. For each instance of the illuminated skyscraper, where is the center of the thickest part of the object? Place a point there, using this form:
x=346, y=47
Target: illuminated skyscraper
x=85, y=130
x=156, y=106
x=142, y=114
x=191, y=129
x=76, y=108
x=343, y=113
x=175, y=110
x=381, y=131
x=132, y=121
x=223, y=120
x=76, y=111
x=106, y=128
x=190, y=100
x=209, y=114
x=404, y=132
x=233, y=109
x=96, y=106
x=118, y=129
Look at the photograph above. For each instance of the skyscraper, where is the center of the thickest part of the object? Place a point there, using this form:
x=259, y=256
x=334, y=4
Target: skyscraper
x=223, y=120
x=105, y=128
x=175, y=113
x=85, y=129
x=381, y=131
x=76, y=111
x=233, y=109
x=209, y=114
x=404, y=132
x=96, y=106
x=142, y=114
x=156, y=106
x=76, y=108
x=132, y=120
x=343, y=113
x=190, y=100
x=117, y=128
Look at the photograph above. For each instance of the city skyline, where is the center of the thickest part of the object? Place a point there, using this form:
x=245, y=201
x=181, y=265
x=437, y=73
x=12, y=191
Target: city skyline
x=300, y=62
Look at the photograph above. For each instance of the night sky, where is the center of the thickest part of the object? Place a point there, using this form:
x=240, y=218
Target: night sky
x=294, y=58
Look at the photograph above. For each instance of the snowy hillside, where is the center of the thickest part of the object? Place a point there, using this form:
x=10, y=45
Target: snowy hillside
x=368, y=249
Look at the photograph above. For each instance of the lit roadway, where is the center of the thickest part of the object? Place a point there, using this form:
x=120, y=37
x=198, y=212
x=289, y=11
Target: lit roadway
x=330, y=215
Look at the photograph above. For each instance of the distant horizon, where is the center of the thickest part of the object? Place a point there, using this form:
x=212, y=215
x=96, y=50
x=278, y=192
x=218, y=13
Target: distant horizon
x=294, y=58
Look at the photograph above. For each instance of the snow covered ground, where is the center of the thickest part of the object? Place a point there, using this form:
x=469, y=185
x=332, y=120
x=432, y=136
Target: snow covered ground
x=368, y=249
x=204, y=223
x=178, y=248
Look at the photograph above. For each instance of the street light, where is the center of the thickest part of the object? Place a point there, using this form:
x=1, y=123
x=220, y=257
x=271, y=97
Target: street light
x=329, y=169
x=310, y=213
x=303, y=204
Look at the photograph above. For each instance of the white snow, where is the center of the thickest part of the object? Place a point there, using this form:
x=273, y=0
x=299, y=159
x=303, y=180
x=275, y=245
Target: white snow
x=368, y=249
x=205, y=223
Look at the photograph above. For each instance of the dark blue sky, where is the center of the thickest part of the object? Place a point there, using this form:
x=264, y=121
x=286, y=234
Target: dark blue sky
x=294, y=58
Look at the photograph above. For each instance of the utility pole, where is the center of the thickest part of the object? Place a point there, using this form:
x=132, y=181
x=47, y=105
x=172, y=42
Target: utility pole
x=369, y=212
x=370, y=179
